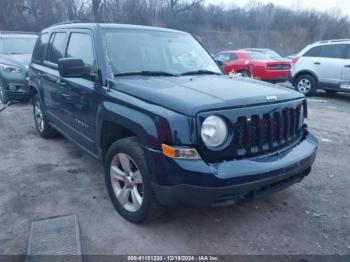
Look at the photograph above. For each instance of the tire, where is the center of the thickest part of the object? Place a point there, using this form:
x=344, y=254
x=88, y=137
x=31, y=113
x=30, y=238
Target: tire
x=306, y=84
x=132, y=198
x=244, y=73
x=41, y=123
x=3, y=95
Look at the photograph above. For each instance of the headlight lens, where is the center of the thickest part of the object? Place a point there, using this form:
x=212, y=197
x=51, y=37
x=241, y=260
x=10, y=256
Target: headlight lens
x=10, y=69
x=214, y=131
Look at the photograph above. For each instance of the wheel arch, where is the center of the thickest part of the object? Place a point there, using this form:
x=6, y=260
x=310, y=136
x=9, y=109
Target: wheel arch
x=116, y=121
x=305, y=72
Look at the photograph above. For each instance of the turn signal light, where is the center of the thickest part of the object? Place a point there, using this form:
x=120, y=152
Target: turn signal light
x=180, y=152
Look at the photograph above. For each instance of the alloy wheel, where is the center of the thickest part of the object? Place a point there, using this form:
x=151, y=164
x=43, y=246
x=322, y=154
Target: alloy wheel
x=39, y=118
x=304, y=86
x=1, y=94
x=127, y=182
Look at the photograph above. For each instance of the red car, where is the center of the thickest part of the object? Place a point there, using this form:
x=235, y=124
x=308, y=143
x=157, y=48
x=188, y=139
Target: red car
x=254, y=64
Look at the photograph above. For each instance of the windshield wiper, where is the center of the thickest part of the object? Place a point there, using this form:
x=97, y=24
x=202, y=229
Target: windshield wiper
x=146, y=73
x=200, y=72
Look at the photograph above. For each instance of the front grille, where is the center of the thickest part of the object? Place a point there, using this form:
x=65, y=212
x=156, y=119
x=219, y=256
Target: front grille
x=266, y=132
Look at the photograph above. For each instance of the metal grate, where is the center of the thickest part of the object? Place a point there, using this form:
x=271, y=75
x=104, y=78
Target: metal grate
x=55, y=239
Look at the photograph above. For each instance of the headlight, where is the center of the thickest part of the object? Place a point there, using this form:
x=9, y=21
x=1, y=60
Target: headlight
x=10, y=69
x=214, y=131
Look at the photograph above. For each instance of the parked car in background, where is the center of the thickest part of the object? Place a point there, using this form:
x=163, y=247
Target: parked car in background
x=170, y=128
x=254, y=64
x=15, y=53
x=322, y=65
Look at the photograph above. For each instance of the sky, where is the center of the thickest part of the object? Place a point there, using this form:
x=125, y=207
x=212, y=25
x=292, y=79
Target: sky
x=320, y=5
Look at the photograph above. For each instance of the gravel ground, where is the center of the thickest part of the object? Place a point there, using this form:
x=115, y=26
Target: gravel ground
x=45, y=178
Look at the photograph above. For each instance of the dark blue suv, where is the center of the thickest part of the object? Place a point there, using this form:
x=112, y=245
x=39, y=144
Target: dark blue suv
x=170, y=128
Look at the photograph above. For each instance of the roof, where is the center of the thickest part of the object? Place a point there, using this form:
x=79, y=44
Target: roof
x=74, y=25
x=332, y=41
x=17, y=33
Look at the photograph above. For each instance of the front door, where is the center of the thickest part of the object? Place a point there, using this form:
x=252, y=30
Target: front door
x=80, y=96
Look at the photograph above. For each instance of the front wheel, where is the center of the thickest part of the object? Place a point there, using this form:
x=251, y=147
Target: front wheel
x=128, y=181
x=306, y=84
x=244, y=73
x=41, y=123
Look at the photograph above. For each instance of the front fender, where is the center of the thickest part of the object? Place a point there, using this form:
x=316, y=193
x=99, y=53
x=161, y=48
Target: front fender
x=134, y=120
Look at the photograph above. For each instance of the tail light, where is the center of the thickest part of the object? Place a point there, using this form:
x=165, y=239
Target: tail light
x=278, y=66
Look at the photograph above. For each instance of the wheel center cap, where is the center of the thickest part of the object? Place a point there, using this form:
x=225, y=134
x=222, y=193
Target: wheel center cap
x=129, y=181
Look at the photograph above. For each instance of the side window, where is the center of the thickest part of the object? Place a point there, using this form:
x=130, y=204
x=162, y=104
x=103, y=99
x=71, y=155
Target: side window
x=233, y=57
x=334, y=51
x=57, y=46
x=40, y=47
x=225, y=57
x=347, y=52
x=80, y=46
x=328, y=51
x=314, y=52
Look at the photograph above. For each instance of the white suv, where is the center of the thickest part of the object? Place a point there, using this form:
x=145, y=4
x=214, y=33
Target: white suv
x=322, y=65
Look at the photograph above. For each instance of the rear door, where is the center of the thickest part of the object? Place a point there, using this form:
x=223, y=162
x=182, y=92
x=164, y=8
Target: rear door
x=327, y=61
x=52, y=91
x=345, y=83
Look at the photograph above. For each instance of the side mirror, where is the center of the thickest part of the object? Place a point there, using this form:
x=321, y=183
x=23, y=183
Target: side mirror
x=71, y=67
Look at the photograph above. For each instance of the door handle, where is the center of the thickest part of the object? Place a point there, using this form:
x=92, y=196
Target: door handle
x=317, y=63
x=61, y=83
x=347, y=66
x=41, y=74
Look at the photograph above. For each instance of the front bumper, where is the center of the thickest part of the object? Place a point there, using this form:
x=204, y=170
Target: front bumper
x=15, y=85
x=198, y=184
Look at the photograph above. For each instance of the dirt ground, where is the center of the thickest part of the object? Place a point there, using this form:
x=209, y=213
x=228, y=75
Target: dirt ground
x=45, y=178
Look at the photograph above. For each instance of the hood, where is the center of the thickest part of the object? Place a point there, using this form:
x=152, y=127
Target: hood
x=20, y=60
x=190, y=95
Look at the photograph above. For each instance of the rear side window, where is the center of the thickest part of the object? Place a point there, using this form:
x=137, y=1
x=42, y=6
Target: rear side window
x=40, y=47
x=226, y=57
x=328, y=51
x=80, y=46
x=57, y=46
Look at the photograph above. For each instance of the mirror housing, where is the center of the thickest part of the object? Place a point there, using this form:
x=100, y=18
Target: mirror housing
x=71, y=67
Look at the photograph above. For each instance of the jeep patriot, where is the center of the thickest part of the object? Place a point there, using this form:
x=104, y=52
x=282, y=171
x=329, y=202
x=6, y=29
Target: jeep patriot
x=170, y=128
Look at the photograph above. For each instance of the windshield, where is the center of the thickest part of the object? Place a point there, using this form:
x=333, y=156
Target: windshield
x=156, y=51
x=17, y=44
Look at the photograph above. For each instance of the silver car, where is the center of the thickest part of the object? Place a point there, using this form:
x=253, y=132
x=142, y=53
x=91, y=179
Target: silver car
x=322, y=65
x=15, y=54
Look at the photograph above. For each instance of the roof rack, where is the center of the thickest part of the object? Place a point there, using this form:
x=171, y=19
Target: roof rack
x=333, y=41
x=67, y=22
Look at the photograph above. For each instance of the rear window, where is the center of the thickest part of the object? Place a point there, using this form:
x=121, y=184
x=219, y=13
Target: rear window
x=40, y=47
x=328, y=51
x=258, y=56
x=57, y=46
